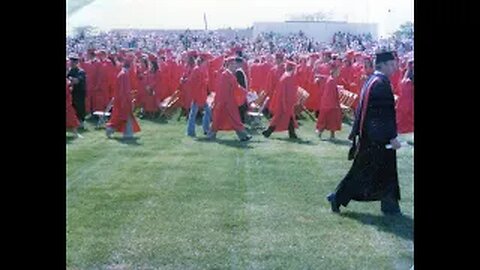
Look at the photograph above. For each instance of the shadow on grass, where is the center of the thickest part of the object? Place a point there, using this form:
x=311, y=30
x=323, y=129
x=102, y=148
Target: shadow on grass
x=131, y=141
x=255, y=130
x=231, y=143
x=340, y=142
x=401, y=225
x=86, y=130
x=299, y=141
x=157, y=120
x=93, y=119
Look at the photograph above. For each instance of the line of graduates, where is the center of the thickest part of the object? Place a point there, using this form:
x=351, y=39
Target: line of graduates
x=378, y=119
x=194, y=75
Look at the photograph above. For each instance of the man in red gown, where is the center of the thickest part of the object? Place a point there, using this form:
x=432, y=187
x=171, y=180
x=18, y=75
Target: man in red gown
x=196, y=87
x=72, y=122
x=122, y=119
x=225, y=111
x=330, y=116
x=89, y=67
x=101, y=89
x=273, y=77
x=405, y=102
x=283, y=106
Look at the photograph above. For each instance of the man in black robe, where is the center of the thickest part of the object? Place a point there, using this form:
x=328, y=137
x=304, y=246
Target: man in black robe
x=77, y=76
x=373, y=175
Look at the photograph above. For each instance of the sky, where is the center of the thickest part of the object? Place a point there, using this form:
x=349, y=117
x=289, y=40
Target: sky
x=182, y=14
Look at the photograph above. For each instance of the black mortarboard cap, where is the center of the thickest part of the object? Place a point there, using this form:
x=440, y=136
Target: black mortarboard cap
x=384, y=57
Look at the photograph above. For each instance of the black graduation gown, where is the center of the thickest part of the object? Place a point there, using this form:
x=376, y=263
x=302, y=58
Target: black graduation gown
x=78, y=92
x=373, y=175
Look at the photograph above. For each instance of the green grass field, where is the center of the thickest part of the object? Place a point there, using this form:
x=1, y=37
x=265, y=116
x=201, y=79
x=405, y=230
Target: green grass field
x=168, y=201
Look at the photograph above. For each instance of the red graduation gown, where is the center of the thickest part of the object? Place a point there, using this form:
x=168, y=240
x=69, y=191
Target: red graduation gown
x=316, y=86
x=102, y=92
x=346, y=77
x=191, y=85
x=330, y=115
x=405, y=107
x=184, y=100
x=173, y=77
x=214, y=66
x=256, y=76
x=273, y=78
x=225, y=112
x=197, y=87
x=89, y=68
x=162, y=83
x=151, y=101
x=283, y=105
x=72, y=121
x=140, y=94
x=122, y=104
x=395, y=80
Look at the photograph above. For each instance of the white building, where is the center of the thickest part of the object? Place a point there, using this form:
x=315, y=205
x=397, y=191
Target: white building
x=320, y=31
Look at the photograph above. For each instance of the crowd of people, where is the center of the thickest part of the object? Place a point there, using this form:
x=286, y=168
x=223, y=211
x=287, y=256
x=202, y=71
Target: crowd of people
x=217, y=42
x=187, y=64
x=226, y=77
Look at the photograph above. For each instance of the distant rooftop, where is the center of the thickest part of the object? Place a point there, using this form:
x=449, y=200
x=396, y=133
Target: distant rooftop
x=306, y=21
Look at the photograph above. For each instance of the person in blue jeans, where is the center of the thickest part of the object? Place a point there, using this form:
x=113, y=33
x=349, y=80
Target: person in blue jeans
x=206, y=119
x=196, y=87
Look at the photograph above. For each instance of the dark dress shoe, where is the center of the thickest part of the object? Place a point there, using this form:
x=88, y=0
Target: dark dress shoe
x=389, y=207
x=333, y=203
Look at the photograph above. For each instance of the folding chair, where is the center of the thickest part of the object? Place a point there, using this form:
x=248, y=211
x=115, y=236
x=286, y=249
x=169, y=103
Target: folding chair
x=256, y=115
x=103, y=116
